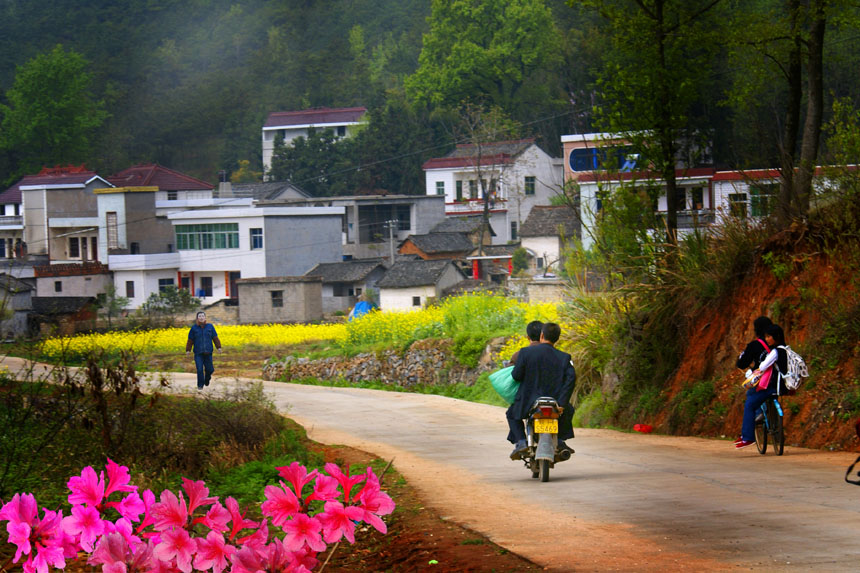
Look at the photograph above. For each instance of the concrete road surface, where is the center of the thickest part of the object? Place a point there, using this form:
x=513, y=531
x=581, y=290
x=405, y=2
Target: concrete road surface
x=625, y=502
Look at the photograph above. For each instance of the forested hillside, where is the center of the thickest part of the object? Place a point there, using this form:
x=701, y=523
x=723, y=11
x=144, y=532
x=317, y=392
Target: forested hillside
x=189, y=83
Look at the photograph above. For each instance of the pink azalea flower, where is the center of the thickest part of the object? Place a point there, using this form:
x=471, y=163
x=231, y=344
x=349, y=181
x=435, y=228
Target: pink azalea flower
x=346, y=481
x=176, y=543
x=375, y=502
x=216, y=518
x=304, y=559
x=130, y=507
x=48, y=540
x=148, y=502
x=170, y=512
x=237, y=518
x=302, y=530
x=281, y=503
x=325, y=489
x=297, y=475
x=258, y=539
x=111, y=549
x=88, y=488
x=277, y=557
x=212, y=553
x=123, y=527
x=85, y=521
x=247, y=560
x=339, y=521
x=22, y=509
x=197, y=492
x=46, y=556
x=19, y=535
x=118, y=478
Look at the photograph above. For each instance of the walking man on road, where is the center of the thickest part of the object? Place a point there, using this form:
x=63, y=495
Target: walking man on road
x=542, y=370
x=202, y=337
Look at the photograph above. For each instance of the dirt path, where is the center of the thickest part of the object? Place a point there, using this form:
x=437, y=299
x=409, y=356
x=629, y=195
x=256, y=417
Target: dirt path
x=625, y=502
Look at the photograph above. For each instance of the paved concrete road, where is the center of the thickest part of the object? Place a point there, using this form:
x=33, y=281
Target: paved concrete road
x=625, y=502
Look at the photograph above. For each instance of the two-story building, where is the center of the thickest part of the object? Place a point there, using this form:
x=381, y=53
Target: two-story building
x=343, y=121
x=513, y=176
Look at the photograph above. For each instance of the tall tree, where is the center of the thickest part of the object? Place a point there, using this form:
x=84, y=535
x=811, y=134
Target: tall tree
x=52, y=113
x=488, y=51
x=652, y=79
x=320, y=163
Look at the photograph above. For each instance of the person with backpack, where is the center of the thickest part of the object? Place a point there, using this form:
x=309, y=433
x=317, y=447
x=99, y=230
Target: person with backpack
x=769, y=374
x=757, y=349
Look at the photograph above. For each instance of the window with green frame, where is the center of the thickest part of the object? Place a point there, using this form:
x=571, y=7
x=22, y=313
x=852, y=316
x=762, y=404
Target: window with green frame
x=763, y=199
x=207, y=236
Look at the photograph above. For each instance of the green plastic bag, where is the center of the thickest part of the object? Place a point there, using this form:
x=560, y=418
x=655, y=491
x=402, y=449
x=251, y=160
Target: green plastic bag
x=504, y=384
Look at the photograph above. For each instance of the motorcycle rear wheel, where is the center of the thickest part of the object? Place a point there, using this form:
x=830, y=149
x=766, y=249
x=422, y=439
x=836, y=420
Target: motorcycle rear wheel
x=544, y=470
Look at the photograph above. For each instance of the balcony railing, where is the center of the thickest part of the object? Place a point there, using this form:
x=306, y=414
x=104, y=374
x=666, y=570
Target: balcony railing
x=12, y=220
x=472, y=205
x=691, y=219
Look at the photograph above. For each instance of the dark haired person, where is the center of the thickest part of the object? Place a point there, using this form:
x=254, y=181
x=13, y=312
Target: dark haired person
x=203, y=339
x=756, y=350
x=541, y=370
x=533, y=330
x=770, y=369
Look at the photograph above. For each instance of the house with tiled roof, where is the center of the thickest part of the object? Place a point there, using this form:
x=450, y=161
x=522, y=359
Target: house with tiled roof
x=511, y=176
x=409, y=285
x=59, y=214
x=471, y=225
x=292, y=124
x=343, y=282
x=547, y=234
x=437, y=246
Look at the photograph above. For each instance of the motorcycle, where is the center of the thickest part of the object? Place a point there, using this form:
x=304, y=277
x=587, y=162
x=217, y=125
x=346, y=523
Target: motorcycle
x=542, y=438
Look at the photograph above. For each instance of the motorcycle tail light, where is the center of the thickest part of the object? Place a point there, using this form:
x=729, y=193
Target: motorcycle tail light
x=546, y=411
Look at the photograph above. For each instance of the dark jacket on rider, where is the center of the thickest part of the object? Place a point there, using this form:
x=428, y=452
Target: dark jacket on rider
x=541, y=370
x=753, y=354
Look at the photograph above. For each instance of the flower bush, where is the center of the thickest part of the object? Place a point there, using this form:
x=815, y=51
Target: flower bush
x=194, y=532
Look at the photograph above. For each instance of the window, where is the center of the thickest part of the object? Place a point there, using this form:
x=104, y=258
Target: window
x=697, y=197
x=341, y=130
x=530, y=185
x=74, y=248
x=134, y=248
x=473, y=189
x=58, y=286
x=207, y=236
x=483, y=188
x=440, y=188
x=164, y=283
x=94, y=248
x=539, y=262
x=172, y=195
x=763, y=200
x=112, y=230
x=404, y=218
x=738, y=204
x=680, y=199
x=256, y=238
x=459, y=185
x=277, y=298
x=357, y=291
x=129, y=289
x=17, y=209
x=206, y=286
x=513, y=230
x=416, y=301
x=84, y=255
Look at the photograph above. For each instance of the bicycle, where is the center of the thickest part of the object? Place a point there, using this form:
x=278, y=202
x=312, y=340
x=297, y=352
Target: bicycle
x=768, y=421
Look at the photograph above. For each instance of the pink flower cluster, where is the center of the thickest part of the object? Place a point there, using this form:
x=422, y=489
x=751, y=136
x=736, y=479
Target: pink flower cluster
x=193, y=531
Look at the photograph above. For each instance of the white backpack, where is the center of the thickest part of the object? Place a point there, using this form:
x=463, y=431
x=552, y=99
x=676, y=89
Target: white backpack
x=796, y=369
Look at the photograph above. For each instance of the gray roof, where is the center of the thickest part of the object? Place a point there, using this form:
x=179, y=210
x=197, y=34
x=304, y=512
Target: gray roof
x=406, y=274
x=464, y=224
x=545, y=221
x=268, y=191
x=346, y=271
x=498, y=250
x=435, y=243
x=13, y=285
x=511, y=148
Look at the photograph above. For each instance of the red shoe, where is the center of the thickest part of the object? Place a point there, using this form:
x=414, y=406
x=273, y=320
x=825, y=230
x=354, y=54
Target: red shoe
x=743, y=444
x=739, y=440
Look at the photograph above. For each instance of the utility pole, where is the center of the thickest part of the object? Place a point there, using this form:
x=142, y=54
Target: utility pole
x=391, y=224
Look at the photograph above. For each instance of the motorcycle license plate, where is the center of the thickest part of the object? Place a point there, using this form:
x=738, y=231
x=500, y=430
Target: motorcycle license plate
x=546, y=426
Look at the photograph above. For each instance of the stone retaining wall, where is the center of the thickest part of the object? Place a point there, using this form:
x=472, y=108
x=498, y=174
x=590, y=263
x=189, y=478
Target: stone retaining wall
x=426, y=362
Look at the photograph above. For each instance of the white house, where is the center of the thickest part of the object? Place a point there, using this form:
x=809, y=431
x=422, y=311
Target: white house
x=408, y=285
x=516, y=175
x=546, y=234
x=217, y=247
x=342, y=121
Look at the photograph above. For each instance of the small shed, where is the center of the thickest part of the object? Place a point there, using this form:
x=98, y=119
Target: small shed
x=437, y=246
x=409, y=285
x=280, y=299
x=345, y=281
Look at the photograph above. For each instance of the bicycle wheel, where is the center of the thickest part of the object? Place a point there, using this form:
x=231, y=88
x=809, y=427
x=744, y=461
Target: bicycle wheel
x=761, y=437
x=777, y=433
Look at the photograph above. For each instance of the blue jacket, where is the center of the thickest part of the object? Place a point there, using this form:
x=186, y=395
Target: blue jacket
x=202, y=339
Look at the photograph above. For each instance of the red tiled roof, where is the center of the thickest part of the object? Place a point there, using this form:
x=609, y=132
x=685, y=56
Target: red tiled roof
x=66, y=175
x=315, y=116
x=750, y=174
x=496, y=153
x=153, y=174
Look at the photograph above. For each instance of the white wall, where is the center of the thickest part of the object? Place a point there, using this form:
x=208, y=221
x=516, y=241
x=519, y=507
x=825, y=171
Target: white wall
x=546, y=248
x=401, y=298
